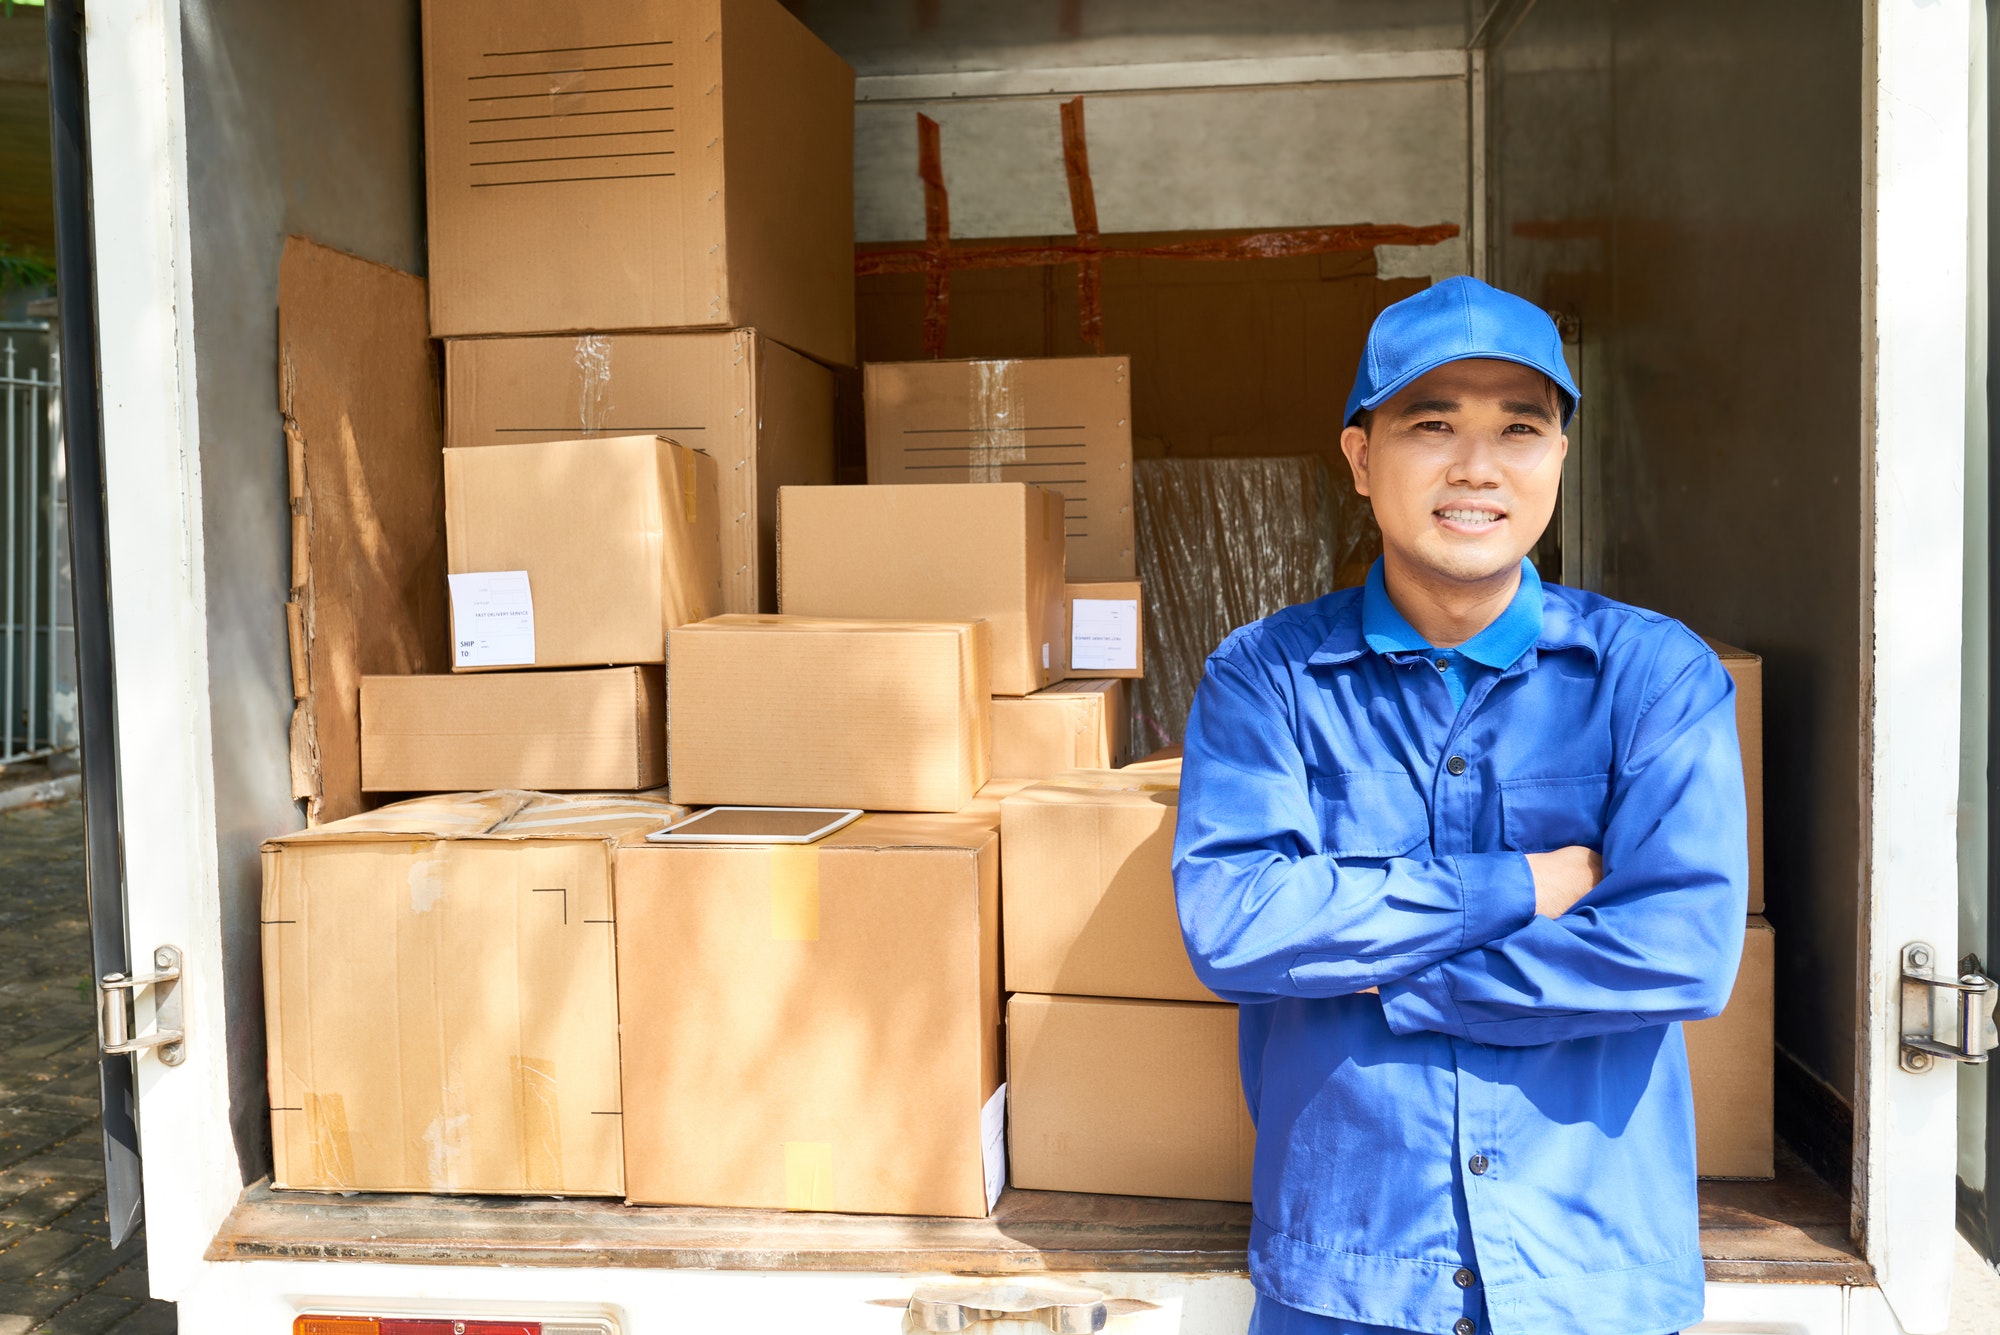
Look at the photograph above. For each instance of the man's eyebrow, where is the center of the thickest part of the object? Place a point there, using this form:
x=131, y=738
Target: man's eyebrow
x=1528, y=408
x=1420, y=407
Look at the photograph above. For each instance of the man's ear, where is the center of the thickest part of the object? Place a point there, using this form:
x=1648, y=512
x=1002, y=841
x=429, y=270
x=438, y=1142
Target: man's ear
x=1354, y=444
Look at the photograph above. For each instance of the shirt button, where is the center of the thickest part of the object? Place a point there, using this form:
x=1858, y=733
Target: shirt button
x=1463, y=1326
x=1456, y=764
x=1442, y=664
x=1464, y=1278
x=1478, y=1164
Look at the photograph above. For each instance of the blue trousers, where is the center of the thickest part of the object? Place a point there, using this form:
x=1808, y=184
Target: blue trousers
x=1274, y=1318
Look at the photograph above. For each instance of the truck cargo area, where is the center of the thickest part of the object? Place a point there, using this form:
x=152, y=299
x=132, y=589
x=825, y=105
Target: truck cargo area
x=1680, y=186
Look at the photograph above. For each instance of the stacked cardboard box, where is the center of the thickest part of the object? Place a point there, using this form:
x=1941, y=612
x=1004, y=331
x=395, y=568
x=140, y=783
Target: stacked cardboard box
x=1102, y=983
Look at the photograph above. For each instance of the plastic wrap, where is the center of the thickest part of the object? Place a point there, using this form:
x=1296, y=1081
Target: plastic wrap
x=1222, y=543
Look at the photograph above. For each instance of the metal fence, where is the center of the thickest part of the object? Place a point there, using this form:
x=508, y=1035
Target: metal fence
x=37, y=642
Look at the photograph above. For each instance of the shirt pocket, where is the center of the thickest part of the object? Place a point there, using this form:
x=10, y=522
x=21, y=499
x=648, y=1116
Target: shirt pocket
x=1371, y=814
x=1542, y=815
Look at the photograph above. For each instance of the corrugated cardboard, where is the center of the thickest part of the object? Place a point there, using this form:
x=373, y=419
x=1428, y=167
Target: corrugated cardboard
x=1070, y=725
x=809, y=712
x=358, y=389
x=1166, y=759
x=985, y=804
x=1729, y=1064
x=656, y=164
x=1119, y=590
x=763, y=412
x=440, y=993
x=1747, y=670
x=1059, y=422
x=1133, y=1098
x=813, y=1028
x=1090, y=887
x=619, y=537
x=991, y=551
x=602, y=729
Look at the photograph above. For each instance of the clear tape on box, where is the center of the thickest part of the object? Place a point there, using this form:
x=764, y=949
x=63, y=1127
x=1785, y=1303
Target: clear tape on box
x=1222, y=543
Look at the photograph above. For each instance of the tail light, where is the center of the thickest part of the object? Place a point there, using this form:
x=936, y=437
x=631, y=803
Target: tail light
x=434, y=1325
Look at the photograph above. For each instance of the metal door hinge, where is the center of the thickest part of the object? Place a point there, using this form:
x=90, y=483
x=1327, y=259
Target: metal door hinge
x=116, y=1010
x=1945, y=1017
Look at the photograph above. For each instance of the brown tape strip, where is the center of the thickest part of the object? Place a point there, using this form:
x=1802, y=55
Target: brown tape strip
x=690, y=502
x=937, y=236
x=536, y=1104
x=794, y=876
x=1083, y=212
x=332, y=1151
x=808, y=1175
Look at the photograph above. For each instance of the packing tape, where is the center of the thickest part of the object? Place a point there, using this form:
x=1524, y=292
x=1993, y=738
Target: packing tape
x=690, y=506
x=593, y=381
x=332, y=1151
x=541, y=1130
x=794, y=892
x=808, y=1175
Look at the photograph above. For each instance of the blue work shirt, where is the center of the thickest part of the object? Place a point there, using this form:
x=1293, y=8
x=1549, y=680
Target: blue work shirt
x=1514, y=1104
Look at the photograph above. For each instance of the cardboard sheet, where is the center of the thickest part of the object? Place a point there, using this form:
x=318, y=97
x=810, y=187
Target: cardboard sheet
x=603, y=729
x=821, y=1025
x=440, y=995
x=817, y=712
x=1090, y=1109
x=985, y=551
x=358, y=389
x=659, y=164
x=762, y=411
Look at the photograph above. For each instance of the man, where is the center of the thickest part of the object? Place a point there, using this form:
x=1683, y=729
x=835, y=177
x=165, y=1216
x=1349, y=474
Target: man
x=1466, y=848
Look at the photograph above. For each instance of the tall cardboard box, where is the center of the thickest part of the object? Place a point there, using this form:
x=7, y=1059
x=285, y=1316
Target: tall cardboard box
x=597, y=729
x=1730, y=1066
x=991, y=551
x=1070, y=725
x=1747, y=671
x=1131, y=1098
x=440, y=996
x=617, y=537
x=818, y=1027
x=804, y=712
x=763, y=412
x=1105, y=628
x=655, y=164
x=1059, y=422
x=1090, y=887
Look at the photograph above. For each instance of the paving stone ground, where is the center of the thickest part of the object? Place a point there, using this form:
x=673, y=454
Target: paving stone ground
x=58, y=1272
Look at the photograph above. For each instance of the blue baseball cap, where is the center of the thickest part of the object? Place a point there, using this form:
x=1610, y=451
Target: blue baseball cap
x=1449, y=322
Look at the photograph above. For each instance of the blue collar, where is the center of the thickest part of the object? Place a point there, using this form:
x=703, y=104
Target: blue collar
x=1498, y=646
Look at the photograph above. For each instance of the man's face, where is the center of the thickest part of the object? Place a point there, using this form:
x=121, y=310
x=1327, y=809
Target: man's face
x=1462, y=467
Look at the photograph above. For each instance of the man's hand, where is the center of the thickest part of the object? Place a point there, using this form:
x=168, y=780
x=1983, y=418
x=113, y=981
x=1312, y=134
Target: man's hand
x=1564, y=877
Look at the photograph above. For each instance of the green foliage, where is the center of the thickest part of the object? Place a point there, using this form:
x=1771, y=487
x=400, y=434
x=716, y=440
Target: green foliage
x=25, y=266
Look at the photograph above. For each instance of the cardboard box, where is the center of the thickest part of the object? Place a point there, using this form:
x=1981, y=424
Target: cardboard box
x=1166, y=760
x=1747, y=670
x=603, y=728
x=440, y=995
x=1059, y=422
x=985, y=804
x=818, y=1027
x=791, y=711
x=659, y=164
x=761, y=411
x=1106, y=637
x=1730, y=1065
x=618, y=538
x=1070, y=725
x=1090, y=887
x=991, y=551
x=1090, y=1110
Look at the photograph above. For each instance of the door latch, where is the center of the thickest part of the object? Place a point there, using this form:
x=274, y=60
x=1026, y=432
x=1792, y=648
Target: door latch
x=1066, y=1309
x=1950, y=1018
x=117, y=1010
